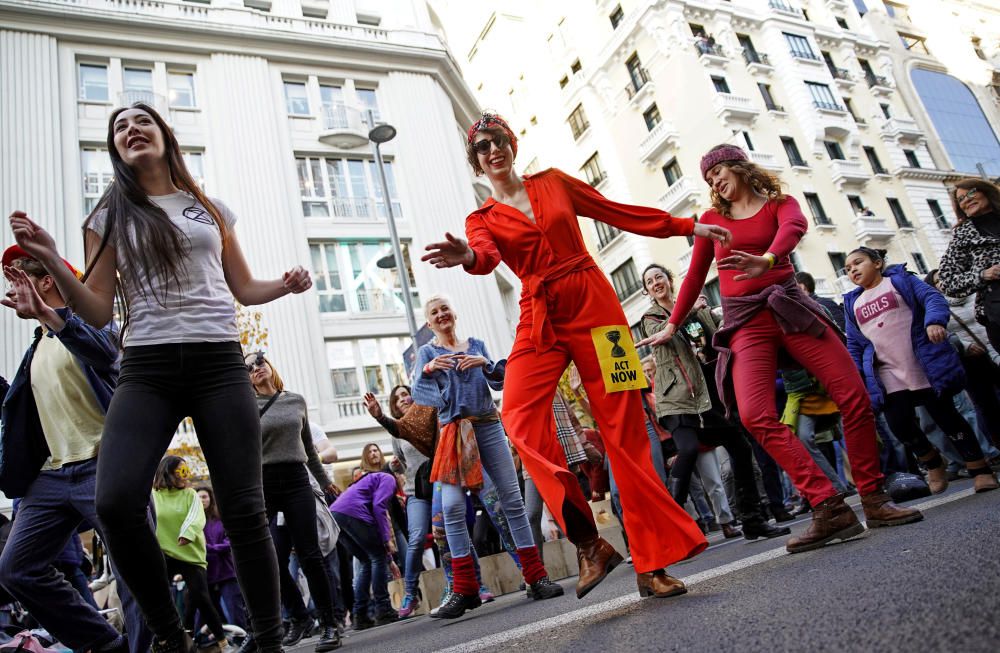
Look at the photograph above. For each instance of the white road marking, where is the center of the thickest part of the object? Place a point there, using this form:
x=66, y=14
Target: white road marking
x=495, y=640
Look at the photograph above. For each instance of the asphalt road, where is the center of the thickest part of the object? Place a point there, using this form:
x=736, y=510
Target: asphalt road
x=930, y=586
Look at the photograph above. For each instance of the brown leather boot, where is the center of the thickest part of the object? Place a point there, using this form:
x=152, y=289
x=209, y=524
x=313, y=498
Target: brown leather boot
x=937, y=478
x=597, y=558
x=659, y=584
x=983, y=478
x=832, y=520
x=881, y=511
x=729, y=531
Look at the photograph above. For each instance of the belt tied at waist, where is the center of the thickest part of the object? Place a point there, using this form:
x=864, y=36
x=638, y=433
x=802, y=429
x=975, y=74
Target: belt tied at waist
x=542, y=335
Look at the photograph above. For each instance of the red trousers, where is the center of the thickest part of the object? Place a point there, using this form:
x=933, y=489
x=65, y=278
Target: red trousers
x=659, y=531
x=754, y=362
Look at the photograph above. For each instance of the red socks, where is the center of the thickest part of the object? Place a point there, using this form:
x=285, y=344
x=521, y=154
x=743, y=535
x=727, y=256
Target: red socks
x=463, y=576
x=531, y=564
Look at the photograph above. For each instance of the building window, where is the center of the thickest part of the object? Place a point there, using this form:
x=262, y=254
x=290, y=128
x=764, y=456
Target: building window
x=343, y=368
x=977, y=47
x=637, y=75
x=564, y=81
x=842, y=22
x=897, y=212
x=697, y=30
x=800, y=47
x=137, y=84
x=296, y=100
x=672, y=172
x=369, y=102
x=617, y=16
x=920, y=263
x=839, y=261
x=181, y=89
x=938, y=214
x=833, y=150
x=592, y=170
x=605, y=233
x=349, y=280
x=850, y=110
x=823, y=97
x=750, y=54
x=874, y=161
x=95, y=163
x=816, y=208
x=333, y=108
x=344, y=188
x=765, y=92
x=194, y=162
x=626, y=280
x=652, y=117
x=886, y=110
x=856, y=204
x=93, y=80
x=911, y=158
x=965, y=133
x=720, y=83
x=792, y=152
x=913, y=43
x=749, y=143
x=578, y=121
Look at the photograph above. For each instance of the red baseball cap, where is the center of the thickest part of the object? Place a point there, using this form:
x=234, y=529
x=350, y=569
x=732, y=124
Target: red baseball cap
x=14, y=252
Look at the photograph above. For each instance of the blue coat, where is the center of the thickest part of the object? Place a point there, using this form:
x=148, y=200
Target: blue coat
x=940, y=362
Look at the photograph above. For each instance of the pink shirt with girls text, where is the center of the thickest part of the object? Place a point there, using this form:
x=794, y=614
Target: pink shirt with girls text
x=884, y=318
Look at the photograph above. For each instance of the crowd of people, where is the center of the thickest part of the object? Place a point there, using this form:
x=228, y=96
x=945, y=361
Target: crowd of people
x=738, y=418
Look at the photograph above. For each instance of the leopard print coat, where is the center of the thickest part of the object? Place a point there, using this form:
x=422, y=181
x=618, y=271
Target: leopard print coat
x=969, y=253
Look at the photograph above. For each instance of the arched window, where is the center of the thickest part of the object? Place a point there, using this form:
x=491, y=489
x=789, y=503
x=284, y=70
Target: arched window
x=965, y=133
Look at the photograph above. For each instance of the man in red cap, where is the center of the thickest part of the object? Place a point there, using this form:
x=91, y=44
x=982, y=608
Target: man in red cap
x=52, y=420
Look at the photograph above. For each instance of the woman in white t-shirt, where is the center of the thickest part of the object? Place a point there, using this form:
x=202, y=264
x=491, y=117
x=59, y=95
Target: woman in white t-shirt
x=896, y=334
x=172, y=257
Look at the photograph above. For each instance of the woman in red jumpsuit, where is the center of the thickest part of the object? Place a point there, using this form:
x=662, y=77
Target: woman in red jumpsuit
x=531, y=224
x=766, y=314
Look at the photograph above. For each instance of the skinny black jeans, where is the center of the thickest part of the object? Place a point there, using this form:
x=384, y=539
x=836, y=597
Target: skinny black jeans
x=984, y=381
x=900, y=413
x=287, y=490
x=159, y=386
x=199, y=599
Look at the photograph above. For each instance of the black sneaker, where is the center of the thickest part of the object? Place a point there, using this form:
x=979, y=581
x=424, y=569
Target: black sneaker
x=329, y=638
x=363, y=623
x=456, y=605
x=248, y=645
x=179, y=642
x=390, y=617
x=297, y=629
x=543, y=588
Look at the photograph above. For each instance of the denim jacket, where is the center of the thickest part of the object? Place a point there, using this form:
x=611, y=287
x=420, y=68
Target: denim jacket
x=23, y=449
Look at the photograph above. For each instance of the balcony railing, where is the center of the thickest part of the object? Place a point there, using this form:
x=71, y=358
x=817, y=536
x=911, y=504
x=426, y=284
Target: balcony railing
x=842, y=74
x=378, y=301
x=684, y=262
x=366, y=208
x=870, y=229
x=639, y=79
x=729, y=105
x=765, y=160
x=598, y=179
x=682, y=192
x=781, y=5
x=712, y=50
x=771, y=106
x=754, y=57
x=876, y=81
x=335, y=116
x=804, y=54
x=605, y=234
x=629, y=290
x=905, y=128
x=155, y=100
x=846, y=171
x=828, y=106
x=660, y=137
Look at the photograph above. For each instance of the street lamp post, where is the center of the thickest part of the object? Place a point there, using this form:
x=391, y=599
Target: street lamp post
x=379, y=134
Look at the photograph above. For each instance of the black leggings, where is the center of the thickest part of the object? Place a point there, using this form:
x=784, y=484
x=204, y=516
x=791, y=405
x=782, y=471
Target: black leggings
x=198, y=596
x=287, y=490
x=735, y=443
x=159, y=386
x=900, y=413
x=984, y=381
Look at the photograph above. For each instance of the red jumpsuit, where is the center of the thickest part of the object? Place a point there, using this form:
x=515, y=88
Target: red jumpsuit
x=564, y=296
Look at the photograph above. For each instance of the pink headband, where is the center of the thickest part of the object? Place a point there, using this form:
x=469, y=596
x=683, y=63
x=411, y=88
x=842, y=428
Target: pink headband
x=724, y=153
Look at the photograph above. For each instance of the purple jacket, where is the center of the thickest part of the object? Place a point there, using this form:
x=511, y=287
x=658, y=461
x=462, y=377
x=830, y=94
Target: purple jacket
x=368, y=500
x=218, y=553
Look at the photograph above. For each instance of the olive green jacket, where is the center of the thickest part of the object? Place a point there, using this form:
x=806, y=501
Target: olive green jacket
x=679, y=384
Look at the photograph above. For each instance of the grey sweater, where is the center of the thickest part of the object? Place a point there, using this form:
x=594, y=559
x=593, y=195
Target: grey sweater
x=285, y=434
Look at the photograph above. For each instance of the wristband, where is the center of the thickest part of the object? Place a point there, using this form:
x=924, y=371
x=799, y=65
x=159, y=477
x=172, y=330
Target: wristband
x=771, y=259
x=426, y=369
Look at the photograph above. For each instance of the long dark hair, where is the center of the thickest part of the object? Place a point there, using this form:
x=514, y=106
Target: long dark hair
x=392, y=400
x=212, y=511
x=991, y=192
x=138, y=228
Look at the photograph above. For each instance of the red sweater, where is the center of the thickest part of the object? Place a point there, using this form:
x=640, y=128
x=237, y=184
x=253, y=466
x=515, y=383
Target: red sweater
x=776, y=228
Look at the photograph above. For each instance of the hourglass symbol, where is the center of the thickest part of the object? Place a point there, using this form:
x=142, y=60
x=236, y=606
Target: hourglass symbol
x=617, y=351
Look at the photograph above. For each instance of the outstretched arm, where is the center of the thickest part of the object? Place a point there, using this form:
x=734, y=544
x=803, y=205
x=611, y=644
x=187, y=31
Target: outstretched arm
x=250, y=291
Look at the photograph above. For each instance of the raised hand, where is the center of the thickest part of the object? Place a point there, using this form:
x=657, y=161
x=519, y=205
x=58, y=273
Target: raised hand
x=32, y=238
x=752, y=266
x=24, y=297
x=659, y=338
x=373, y=406
x=450, y=252
x=714, y=232
x=297, y=280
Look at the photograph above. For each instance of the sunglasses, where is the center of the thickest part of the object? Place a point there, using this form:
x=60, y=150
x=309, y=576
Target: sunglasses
x=972, y=193
x=483, y=146
x=258, y=362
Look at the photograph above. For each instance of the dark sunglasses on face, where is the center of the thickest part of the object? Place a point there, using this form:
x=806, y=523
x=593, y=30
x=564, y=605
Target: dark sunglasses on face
x=969, y=195
x=483, y=146
x=257, y=362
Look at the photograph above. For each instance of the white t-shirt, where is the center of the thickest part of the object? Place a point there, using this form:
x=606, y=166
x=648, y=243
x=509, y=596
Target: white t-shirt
x=198, y=306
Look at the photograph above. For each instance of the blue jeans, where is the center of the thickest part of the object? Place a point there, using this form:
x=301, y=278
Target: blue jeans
x=806, y=430
x=418, y=520
x=494, y=453
x=363, y=541
x=656, y=453
x=55, y=505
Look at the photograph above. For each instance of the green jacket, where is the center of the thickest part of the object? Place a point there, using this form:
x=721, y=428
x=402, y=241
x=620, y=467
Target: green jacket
x=679, y=385
x=179, y=513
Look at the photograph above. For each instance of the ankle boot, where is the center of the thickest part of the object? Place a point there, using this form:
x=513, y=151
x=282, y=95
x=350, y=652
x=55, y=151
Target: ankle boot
x=659, y=584
x=329, y=636
x=983, y=478
x=881, y=511
x=596, y=558
x=729, y=531
x=832, y=520
x=937, y=475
